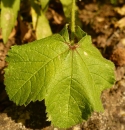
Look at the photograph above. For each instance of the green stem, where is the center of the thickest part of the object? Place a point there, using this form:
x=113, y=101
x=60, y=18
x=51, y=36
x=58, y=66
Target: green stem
x=73, y=16
x=73, y=21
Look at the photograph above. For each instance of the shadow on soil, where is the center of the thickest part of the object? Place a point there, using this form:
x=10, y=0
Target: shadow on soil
x=32, y=116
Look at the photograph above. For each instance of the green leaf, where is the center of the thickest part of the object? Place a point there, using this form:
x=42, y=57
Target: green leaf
x=67, y=7
x=69, y=77
x=66, y=2
x=35, y=11
x=114, y=2
x=34, y=17
x=9, y=11
x=42, y=28
x=40, y=22
x=44, y=3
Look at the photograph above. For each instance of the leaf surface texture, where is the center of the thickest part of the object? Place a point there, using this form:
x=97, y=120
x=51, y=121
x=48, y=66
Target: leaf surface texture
x=69, y=77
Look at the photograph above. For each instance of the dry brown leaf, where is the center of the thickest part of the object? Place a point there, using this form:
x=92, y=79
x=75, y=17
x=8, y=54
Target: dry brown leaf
x=123, y=41
x=100, y=19
x=120, y=23
x=58, y=19
x=13, y=33
x=121, y=10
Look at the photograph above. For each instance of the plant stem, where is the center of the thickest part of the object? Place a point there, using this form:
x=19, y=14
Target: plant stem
x=73, y=17
x=72, y=21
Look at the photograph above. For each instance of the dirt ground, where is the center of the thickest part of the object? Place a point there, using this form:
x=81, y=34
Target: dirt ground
x=105, y=22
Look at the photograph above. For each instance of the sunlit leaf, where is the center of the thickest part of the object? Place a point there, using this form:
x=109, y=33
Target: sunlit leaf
x=9, y=11
x=40, y=22
x=69, y=77
x=44, y=3
x=43, y=28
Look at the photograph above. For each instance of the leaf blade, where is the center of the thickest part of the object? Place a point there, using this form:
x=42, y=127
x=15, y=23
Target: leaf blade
x=42, y=27
x=40, y=22
x=67, y=77
x=87, y=90
x=23, y=65
x=9, y=11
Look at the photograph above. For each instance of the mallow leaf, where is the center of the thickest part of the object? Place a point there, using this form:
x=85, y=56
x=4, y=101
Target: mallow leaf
x=40, y=22
x=9, y=12
x=69, y=77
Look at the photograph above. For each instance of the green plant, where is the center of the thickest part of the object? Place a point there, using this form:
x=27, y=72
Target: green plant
x=114, y=2
x=40, y=22
x=65, y=70
x=9, y=13
x=9, y=10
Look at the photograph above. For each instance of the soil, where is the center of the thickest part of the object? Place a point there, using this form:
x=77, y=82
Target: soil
x=105, y=22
